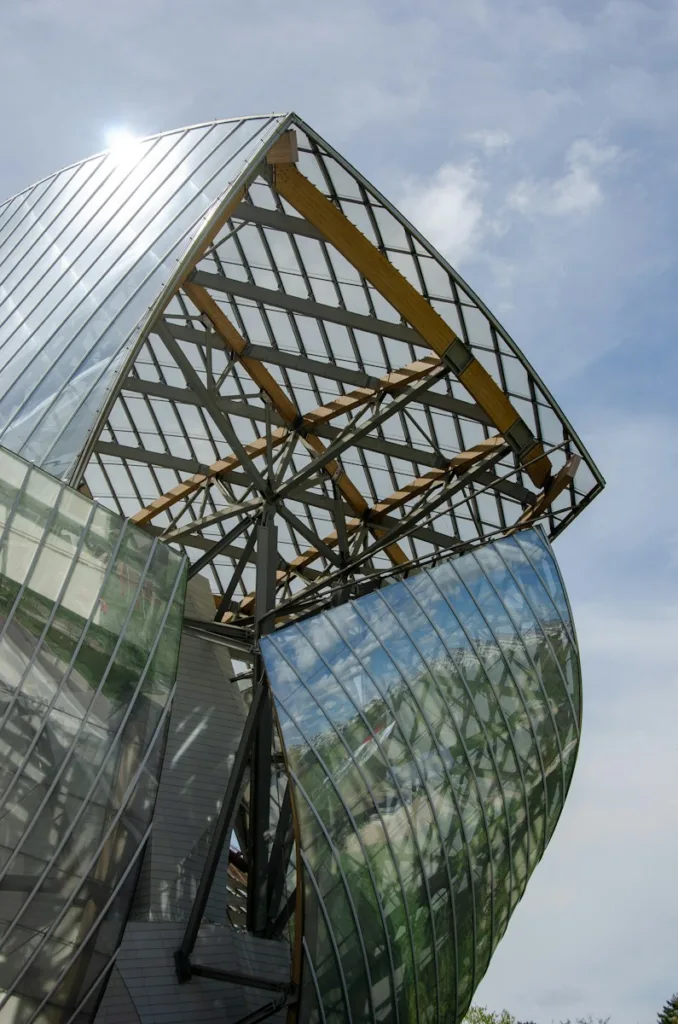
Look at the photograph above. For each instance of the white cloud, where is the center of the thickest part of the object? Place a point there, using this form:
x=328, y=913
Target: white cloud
x=447, y=208
x=578, y=190
x=491, y=139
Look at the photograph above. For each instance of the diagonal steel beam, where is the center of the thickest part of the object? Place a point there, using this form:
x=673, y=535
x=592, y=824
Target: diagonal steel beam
x=355, y=431
x=211, y=519
x=234, y=341
x=236, y=575
x=404, y=527
x=393, y=381
x=208, y=400
x=281, y=850
x=222, y=830
x=457, y=468
x=310, y=535
x=218, y=548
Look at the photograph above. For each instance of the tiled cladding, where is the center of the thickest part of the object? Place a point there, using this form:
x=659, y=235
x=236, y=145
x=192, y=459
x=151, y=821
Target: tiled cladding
x=83, y=255
x=432, y=729
x=90, y=618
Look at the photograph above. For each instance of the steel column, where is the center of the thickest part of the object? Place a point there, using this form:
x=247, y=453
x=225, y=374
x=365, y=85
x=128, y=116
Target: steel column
x=222, y=831
x=260, y=785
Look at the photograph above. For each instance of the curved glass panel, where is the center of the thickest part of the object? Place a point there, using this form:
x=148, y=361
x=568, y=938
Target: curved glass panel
x=431, y=729
x=90, y=619
x=83, y=255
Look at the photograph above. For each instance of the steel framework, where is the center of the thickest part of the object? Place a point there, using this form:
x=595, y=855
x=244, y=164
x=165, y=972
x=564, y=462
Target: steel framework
x=315, y=404
x=355, y=435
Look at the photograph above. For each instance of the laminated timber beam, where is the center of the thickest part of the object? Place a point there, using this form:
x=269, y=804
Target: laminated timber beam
x=307, y=601
x=308, y=201
x=562, y=480
x=414, y=489
x=340, y=406
x=281, y=403
x=235, y=342
x=370, y=440
x=331, y=371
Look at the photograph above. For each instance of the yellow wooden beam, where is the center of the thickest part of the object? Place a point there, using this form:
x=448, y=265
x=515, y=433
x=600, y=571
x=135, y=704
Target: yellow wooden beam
x=217, y=224
x=391, y=381
x=234, y=341
x=456, y=466
x=561, y=481
x=187, y=487
x=261, y=376
x=414, y=308
x=423, y=483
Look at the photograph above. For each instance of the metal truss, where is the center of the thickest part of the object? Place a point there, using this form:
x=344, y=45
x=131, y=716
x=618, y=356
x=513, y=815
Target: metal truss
x=319, y=359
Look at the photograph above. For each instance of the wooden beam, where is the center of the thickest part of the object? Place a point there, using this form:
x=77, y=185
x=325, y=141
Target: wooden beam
x=414, y=308
x=322, y=415
x=235, y=342
x=262, y=377
x=182, y=490
x=561, y=481
x=284, y=150
x=217, y=224
x=455, y=467
x=434, y=476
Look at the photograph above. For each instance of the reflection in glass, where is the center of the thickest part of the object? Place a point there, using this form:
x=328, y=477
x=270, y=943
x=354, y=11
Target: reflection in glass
x=83, y=256
x=85, y=600
x=431, y=730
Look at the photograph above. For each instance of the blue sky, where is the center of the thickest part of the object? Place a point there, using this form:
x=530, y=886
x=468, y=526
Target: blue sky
x=536, y=145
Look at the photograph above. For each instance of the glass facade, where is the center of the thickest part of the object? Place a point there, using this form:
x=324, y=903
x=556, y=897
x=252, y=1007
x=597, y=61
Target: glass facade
x=90, y=618
x=432, y=729
x=84, y=254
x=193, y=331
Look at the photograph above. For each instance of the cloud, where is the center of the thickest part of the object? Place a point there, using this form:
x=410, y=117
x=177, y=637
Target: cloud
x=578, y=190
x=447, y=207
x=491, y=139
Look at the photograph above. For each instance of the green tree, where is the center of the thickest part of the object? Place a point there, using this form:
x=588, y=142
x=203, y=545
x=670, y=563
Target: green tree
x=481, y=1015
x=587, y=1020
x=669, y=1013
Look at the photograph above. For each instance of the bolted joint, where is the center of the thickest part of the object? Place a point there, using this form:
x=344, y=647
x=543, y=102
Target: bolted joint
x=458, y=356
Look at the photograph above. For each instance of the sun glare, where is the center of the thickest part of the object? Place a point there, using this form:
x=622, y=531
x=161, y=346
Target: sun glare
x=123, y=147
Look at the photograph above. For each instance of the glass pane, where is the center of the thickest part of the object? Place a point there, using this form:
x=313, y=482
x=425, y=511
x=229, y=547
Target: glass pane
x=90, y=614
x=86, y=255
x=431, y=731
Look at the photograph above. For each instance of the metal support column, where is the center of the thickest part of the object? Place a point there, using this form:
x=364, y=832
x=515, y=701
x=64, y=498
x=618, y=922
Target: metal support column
x=260, y=785
x=283, y=842
x=222, y=831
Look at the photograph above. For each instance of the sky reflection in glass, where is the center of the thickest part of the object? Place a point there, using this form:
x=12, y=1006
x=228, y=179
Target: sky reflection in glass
x=432, y=729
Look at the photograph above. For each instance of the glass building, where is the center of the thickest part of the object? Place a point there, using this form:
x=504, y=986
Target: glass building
x=290, y=690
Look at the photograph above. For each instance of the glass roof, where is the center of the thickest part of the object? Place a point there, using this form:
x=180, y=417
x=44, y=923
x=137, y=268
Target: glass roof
x=199, y=349
x=84, y=255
